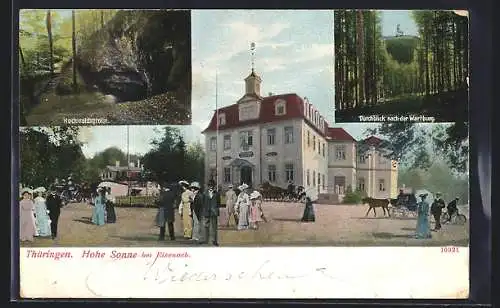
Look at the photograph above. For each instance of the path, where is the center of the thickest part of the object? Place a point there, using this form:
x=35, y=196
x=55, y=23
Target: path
x=336, y=225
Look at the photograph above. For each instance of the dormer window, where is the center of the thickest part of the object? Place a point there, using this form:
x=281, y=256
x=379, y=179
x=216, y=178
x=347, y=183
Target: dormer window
x=279, y=106
x=222, y=119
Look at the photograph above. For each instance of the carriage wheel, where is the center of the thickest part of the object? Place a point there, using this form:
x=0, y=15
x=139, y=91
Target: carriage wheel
x=444, y=217
x=404, y=213
x=460, y=219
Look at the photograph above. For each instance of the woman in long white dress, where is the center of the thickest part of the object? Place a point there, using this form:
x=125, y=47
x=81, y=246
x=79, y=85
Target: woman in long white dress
x=242, y=207
x=41, y=213
x=27, y=227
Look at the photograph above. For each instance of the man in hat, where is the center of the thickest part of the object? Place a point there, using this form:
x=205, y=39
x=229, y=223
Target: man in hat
x=210, y=214
x=196, y=206
x=436, y=210
x=165, y=216
x=452, y=209
x=185, y=209
x=54, y=204
x=230, y=202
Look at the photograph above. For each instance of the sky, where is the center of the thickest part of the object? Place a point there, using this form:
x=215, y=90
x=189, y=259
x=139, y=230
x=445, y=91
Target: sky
x=293, y=54
x=391, y=18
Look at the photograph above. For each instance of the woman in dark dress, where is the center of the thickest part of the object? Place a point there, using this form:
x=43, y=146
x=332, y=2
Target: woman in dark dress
x=110, y=207
x=308, y=215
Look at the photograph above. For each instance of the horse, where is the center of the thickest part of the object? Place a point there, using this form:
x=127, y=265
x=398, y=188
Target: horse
x=374, y=203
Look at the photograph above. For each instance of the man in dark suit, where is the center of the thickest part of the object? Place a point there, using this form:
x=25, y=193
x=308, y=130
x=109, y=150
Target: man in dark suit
x=166, y=212
x=210, y=214
x=452, y=209
x=436, y=210
x=54, y=205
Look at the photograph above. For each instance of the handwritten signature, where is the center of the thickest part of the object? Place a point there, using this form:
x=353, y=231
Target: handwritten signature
x=177, y=271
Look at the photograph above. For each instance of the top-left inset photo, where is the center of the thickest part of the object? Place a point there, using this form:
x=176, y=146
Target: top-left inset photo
x=104, y=67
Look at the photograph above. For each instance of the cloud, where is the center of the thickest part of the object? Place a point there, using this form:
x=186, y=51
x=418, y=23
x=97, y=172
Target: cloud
x=314, y=52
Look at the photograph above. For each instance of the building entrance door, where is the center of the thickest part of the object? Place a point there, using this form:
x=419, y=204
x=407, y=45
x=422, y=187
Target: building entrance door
x=246, y=175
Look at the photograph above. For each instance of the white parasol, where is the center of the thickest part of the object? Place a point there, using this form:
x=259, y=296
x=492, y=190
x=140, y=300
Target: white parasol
x=429, y=198
x=312, y=193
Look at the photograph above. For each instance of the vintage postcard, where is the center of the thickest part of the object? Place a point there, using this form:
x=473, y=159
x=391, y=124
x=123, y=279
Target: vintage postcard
x=263, y=196
x=401, y=66
x=96, y=67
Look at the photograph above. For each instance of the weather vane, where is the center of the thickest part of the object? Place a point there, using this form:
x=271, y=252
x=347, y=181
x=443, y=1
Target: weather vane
x=252, y=50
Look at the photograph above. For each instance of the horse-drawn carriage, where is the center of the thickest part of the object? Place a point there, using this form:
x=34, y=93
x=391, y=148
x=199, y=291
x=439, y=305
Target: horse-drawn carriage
x=404, y=206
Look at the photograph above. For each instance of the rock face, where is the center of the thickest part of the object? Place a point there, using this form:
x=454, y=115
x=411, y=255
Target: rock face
x=139, y=53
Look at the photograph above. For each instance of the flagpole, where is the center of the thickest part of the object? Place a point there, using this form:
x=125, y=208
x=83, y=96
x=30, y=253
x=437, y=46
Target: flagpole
x=216, y=131
x=128, y=163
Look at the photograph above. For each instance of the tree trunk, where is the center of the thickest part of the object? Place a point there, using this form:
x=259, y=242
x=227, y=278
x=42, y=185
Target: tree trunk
x=23, y=62
x=102, y=18
x=360, y=56
x=51, y=46
x=73, y=46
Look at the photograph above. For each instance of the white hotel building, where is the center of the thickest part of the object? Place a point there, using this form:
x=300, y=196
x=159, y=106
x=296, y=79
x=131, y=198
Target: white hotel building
x=282, y=138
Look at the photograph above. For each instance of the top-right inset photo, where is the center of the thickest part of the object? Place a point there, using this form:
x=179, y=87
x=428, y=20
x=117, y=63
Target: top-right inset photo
x=401, y=66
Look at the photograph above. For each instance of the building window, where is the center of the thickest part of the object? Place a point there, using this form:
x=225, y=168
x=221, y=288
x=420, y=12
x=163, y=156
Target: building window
x=308, y=181
x=213, y=144
x=271, y=136
x=271, y=173
x=227, y=175
x=222, y=119
x=324, y=150
x=289, y=172
x=340, y=152
x=319, y=179
x=381, y=185
x=314, y=143
x=227, y=142
x=280, y=108
x=361, y=184
x=323, y=181
x=362, y=158
x=314, y=178
x=246, y=138
x=308, y=139
x=288, y=134
x=319, y=147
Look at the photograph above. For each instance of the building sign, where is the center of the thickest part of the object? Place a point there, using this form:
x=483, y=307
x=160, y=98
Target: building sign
x=272, y=154
x=226, y=158
x=246, y=154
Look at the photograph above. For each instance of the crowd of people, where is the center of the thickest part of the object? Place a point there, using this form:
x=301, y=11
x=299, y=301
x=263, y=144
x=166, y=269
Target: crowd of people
x=423, y=229
x=39, y=213
x=200, y=210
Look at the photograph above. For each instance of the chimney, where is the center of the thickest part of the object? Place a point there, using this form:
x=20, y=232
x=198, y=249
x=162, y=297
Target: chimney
x=117, y=163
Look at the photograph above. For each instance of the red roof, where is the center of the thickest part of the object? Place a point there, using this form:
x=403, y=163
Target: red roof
x=372, y=140
x=339, y=134
x=294, y=110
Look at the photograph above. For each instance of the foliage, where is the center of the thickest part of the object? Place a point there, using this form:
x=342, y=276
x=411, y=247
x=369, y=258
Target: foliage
x=353, y=197
x=439, y=177
x=49, y=153
x=413, y=144
x=171, y=160
x=370, y=68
